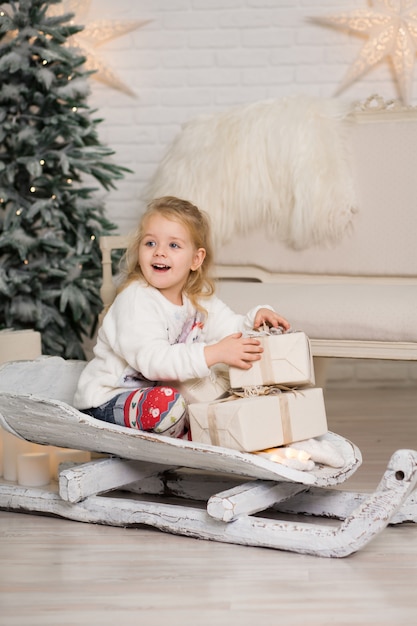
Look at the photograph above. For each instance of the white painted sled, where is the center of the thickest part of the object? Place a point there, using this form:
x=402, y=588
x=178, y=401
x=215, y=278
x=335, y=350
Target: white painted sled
x=144, y=477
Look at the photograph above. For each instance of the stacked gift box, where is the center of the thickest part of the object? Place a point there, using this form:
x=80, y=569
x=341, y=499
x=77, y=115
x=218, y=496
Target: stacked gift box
x=274, y=403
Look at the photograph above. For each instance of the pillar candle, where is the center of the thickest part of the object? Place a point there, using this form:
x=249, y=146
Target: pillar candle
x=12, y=447
x=16, y=345
x=33, y=469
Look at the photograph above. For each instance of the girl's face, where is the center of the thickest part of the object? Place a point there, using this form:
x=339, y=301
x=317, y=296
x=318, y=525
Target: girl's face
x=167, y=256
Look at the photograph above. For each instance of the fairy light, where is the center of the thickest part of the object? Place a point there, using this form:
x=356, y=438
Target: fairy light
x=19, y=212
x=25, y=262
x=44, y=62
x=53, y=197
x=69, y=181
x=42, y=162
x=32, y=189
x=279, y=455
x=92, y=237
x=74, y=109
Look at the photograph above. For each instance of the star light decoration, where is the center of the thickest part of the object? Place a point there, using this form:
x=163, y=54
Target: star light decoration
x=392, y=29
x=94, y=35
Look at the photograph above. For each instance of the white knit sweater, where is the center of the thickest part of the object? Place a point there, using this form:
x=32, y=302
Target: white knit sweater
x=145, y=337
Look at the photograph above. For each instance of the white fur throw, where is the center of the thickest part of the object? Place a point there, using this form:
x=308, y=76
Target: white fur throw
x=281, y=164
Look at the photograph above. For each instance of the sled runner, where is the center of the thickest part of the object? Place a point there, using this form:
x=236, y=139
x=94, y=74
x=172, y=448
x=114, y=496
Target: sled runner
x=187, y=488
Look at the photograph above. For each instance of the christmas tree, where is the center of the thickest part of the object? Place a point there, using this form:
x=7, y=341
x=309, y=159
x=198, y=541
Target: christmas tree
x=51, y=159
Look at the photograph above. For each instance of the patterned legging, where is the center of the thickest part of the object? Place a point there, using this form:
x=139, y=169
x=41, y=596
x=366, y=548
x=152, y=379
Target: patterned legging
x=160, y=410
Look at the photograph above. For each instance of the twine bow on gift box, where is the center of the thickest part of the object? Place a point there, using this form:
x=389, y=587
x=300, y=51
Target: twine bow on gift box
x=263, y=390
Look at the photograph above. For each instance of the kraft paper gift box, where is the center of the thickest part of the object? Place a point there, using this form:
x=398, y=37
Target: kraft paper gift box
x=286, y=360
x=257, y=423
x=206, y=389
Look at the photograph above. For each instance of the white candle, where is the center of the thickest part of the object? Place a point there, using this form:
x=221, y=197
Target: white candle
x=67, y=455
x=33, y=469
x=12, y=447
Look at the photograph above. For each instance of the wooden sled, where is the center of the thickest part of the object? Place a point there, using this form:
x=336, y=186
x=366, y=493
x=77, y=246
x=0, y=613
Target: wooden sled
x=147, y=477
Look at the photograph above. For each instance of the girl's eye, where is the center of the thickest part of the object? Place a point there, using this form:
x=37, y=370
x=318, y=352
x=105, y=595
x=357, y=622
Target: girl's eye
x=174, y=245
x=149, y=244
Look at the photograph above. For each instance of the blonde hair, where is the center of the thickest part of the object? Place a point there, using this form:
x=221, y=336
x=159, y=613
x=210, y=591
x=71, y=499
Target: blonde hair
x=199, y=284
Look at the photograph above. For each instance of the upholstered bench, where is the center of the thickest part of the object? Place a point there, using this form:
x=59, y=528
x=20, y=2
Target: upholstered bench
x=356, y=298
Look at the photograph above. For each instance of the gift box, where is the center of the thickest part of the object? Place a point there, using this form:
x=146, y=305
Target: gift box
x=286, y=360
x=259, y=422
x=206, y=389
x=19, y=345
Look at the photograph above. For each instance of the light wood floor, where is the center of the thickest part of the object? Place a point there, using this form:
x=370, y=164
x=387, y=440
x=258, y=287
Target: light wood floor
x=58, y=572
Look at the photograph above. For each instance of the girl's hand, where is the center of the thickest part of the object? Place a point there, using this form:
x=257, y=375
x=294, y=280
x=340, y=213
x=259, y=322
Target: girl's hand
x=266, y=316
x=234, y=350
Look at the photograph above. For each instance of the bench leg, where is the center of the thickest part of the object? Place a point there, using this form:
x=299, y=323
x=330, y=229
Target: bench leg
x=321, y=370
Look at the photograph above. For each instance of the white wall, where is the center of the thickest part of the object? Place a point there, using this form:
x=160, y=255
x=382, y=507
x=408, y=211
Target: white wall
x=201, y=56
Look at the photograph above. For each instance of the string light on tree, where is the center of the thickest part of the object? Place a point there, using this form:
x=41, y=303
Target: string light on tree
x=391, y=26
x=51, y=267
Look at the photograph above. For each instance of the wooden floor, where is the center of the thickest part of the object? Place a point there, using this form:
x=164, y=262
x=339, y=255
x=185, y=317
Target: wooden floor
x=58, y=572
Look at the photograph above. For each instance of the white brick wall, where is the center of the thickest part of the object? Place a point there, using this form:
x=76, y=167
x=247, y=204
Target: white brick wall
x=201, y=56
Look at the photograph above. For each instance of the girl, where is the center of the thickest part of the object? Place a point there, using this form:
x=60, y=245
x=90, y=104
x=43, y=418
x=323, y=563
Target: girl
x=165, y=324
